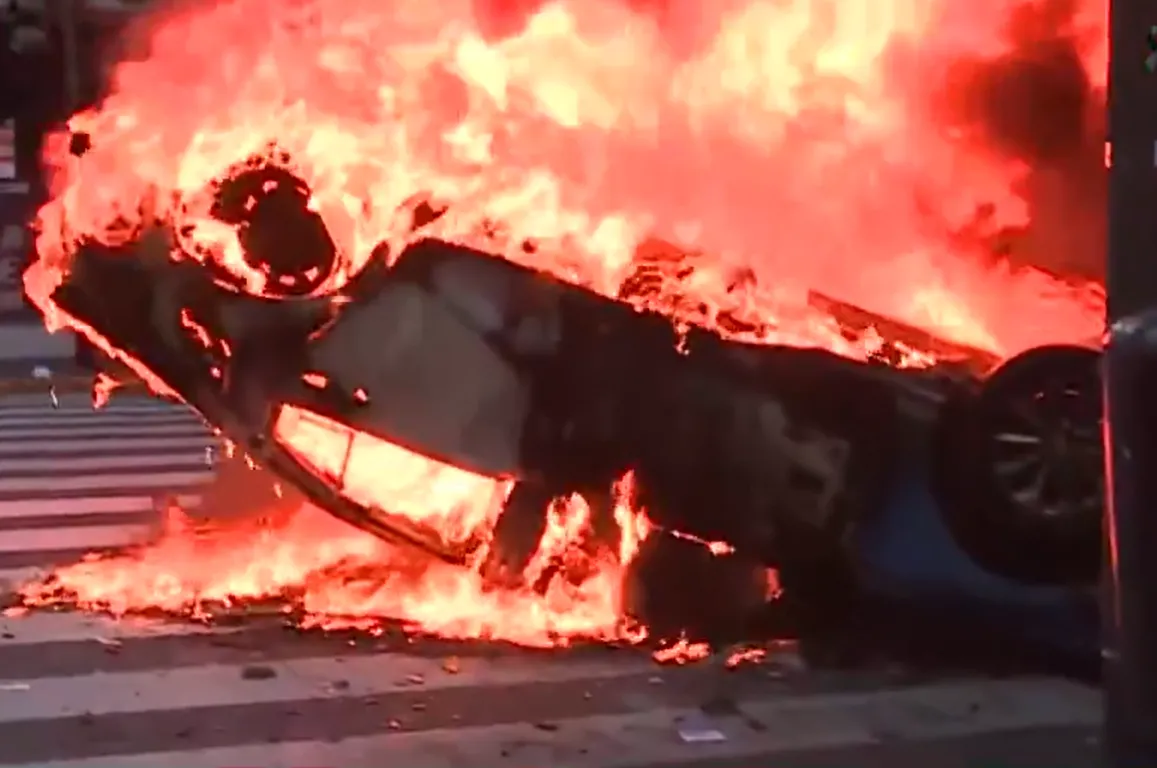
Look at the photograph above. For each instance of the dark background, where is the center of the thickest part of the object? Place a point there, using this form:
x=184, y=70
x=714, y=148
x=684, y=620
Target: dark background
x=34, y=96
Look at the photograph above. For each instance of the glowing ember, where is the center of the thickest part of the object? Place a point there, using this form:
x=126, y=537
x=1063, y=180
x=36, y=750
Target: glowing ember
x=742, y=656
x=784, y=145
x=681, y=652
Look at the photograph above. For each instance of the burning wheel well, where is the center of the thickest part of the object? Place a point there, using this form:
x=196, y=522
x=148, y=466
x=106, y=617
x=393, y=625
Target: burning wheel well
x=279, y=234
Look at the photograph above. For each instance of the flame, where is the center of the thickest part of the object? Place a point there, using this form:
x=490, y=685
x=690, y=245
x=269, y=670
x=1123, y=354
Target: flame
x=778, y=146
x=451, y=500
x=325, y=574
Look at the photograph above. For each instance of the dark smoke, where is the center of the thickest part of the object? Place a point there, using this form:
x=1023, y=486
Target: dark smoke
x=1036, y=104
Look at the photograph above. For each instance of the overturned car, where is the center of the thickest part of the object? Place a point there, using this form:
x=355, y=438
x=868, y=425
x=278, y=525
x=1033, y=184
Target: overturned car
x=744, y=456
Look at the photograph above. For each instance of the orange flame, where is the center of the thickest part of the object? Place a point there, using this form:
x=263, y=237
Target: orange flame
x=787, y=141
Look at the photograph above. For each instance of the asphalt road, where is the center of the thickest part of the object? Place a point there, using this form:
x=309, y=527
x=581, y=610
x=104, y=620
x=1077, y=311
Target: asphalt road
x=83, y=691
x=73, y=480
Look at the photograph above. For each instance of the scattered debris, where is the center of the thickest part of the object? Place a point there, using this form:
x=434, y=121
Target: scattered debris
x=111, y=644
x=549, y=727
x=394, y=725
x=698, y=728
x=44, y=373
x=15, y=687
x=451, y=665
x=681, y=652
x=748, y=655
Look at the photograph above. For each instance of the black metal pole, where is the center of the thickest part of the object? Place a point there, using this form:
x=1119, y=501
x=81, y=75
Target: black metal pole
x=1130, y=647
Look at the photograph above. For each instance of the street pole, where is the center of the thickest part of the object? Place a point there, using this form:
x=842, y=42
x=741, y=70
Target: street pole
x=69, y=19
x=1130, y=370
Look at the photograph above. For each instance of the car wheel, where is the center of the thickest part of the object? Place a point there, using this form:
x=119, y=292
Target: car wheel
x=1019, y=468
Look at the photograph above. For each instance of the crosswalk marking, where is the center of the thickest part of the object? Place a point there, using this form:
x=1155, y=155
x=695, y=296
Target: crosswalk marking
x=213, y=685
x=14, y=575
x=154, y=481
x=102, y=444
x=92, y=463
x=112, y=420
x=75, y=479
x=71, y=538
x=86, y=691
x=141, y=428
x=71, y=627
x=38, y=508
x=90, y=693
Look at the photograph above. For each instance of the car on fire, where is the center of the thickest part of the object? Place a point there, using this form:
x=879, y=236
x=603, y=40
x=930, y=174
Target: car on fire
x=744, y=456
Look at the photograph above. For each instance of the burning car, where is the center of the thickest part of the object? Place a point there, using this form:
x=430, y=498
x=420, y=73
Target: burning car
x=523, y=291
x=745, y=457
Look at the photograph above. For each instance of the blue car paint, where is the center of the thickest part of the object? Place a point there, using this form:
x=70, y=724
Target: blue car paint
x=906, y=555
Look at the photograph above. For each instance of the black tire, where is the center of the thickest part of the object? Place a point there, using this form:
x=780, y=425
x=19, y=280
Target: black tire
x=678, y=587
x=1018, y=468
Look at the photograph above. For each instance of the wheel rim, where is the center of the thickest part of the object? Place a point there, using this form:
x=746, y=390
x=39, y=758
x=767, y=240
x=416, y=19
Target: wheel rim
x=1046, y=449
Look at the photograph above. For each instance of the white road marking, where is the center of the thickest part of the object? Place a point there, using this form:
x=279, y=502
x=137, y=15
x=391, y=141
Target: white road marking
x=79, y=461
x=103, y=462
x=61, y=435
x=11, y=579
x=99, y=445
x=649, y=738
x=94, y=419
x=156, y=481
x=296, y=680
x=72, y=538
x=71, y=507
x=38, y=628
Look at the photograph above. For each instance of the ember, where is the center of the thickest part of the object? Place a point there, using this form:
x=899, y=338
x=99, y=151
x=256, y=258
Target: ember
x=782, y=147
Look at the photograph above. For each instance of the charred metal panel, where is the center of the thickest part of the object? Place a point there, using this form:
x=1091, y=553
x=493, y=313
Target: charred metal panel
x=740, y=464
x=431, y=381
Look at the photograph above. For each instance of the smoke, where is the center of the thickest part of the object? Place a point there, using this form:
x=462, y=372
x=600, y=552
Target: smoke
x=1038, y=104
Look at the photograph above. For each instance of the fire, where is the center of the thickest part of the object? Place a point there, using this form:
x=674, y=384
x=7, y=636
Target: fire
x=321, y=573
x=452, y=500
x=780, y=145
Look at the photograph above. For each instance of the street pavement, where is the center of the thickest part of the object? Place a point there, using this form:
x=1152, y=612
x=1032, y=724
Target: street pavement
x=84, y=691
x=74, y=479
